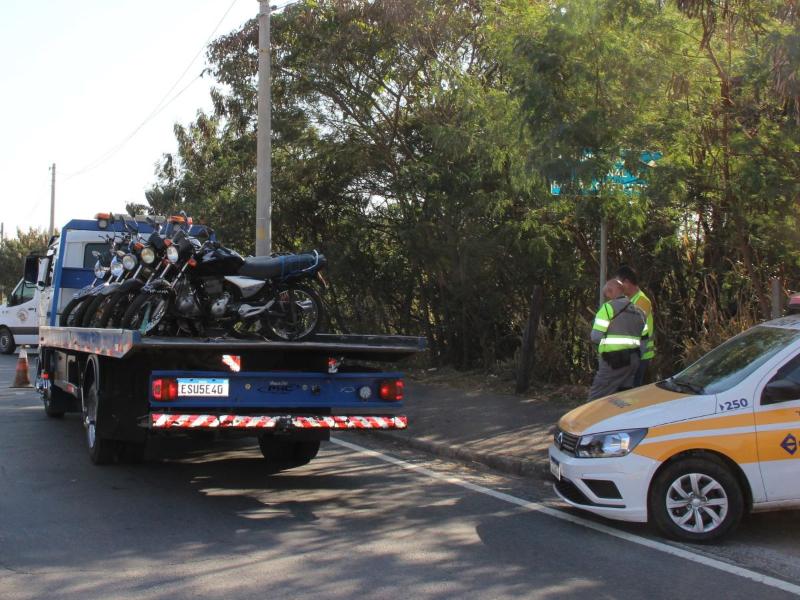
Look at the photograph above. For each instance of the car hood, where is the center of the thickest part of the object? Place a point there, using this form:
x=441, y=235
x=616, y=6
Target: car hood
x=646, y=406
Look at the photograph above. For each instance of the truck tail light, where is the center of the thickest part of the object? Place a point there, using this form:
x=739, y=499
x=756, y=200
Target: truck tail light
x=391, y=391
x=165, y=389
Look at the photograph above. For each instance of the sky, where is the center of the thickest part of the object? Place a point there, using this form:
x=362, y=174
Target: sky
x=77, y=77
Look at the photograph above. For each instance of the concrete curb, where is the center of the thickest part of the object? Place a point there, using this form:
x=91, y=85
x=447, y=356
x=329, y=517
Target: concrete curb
x=499, y=462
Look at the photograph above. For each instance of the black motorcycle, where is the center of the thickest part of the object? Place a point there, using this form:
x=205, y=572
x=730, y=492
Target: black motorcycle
x=215, y=288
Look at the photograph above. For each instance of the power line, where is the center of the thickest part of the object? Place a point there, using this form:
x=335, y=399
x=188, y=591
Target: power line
x=158, y=108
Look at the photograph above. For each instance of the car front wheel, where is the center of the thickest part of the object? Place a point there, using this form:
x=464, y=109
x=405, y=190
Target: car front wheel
x=696, y=499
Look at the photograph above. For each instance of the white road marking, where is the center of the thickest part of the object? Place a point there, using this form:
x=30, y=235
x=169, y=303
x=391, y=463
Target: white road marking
x=557, y=514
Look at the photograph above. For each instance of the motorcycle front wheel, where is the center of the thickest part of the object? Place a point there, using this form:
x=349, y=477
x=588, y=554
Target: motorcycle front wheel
x=295, y=314
x=114, y=311
x=72, y=315
x=146, y=313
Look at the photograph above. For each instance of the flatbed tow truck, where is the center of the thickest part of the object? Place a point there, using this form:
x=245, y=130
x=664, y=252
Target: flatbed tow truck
x=129, y=387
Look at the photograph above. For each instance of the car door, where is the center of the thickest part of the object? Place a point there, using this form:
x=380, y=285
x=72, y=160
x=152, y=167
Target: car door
x=10, y=313
x=778, y=430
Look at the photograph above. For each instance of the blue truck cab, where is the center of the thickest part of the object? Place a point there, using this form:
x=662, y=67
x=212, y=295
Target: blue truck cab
x=129, y=388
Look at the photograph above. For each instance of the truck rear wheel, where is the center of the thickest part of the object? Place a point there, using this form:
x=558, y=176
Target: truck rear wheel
x=286, y=454
x=7, y=345
x=102, y=451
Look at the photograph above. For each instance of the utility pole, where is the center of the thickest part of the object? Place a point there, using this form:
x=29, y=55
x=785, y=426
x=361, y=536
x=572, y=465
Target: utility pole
x=603, y=256
x=52, y=199
x=2, y=233
x=264, y=139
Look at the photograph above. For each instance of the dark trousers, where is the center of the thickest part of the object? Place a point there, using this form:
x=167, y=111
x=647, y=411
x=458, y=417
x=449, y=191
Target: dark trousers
x=638, y=379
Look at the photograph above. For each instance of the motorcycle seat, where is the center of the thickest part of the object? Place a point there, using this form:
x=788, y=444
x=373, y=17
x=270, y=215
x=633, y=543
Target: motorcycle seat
x=267, y=267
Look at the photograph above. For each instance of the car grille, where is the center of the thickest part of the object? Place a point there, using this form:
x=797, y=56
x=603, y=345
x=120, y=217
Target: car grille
x=566, y=442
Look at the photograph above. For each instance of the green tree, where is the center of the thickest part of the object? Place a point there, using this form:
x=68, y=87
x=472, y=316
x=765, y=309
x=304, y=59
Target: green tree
x=12, y=256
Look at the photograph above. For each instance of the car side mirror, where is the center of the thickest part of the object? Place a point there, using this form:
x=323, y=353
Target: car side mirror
x=781, y=390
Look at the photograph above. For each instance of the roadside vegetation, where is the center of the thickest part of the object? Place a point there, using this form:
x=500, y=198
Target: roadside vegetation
x=12, y=256
x=417, y=144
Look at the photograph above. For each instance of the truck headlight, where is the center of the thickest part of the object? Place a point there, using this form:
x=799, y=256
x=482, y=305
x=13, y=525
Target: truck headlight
x=148, y=256
x=172, y=254
x=116, y=268
x=129, y=262
x=99, y=270
x=607, y=445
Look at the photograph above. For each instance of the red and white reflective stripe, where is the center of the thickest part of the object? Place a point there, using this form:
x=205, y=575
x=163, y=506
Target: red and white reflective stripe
x=175, y=421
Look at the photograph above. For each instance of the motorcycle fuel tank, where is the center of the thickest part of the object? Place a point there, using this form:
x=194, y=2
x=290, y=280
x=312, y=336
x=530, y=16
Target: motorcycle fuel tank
x=220, y=261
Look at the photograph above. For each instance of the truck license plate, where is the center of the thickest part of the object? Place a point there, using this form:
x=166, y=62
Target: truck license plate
x=203, y=388
x=555, y=469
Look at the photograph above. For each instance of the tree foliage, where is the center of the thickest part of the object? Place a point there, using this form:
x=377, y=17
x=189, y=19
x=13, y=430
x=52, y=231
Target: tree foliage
x=415, y=143
x=12, y=256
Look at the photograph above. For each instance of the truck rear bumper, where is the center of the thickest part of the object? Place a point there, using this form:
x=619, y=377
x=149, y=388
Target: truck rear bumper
x=159, y=421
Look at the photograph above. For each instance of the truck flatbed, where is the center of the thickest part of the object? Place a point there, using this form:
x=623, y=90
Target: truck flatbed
x=119, y=343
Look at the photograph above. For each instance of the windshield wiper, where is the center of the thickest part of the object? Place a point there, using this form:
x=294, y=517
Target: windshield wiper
x=687, y=385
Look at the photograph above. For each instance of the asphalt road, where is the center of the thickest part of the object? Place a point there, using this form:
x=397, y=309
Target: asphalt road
x=377, y=523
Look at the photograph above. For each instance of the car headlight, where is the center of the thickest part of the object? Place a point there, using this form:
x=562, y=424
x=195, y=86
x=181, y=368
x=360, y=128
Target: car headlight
x=612, y=443
x=116, y=268
x=148, y=255
x=172, y=254
x=129, y=262
x=99, y=270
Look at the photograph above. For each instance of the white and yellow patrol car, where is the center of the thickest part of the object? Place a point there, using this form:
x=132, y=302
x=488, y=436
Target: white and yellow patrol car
x=694, y=452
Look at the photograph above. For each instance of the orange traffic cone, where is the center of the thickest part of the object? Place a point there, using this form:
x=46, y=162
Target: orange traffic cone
x=21, y=379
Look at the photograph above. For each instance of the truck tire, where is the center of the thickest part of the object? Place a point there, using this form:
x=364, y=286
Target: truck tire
x=7, y=344
x=132, y=453
x=286, y=454
x=102, y=451
x=55, y=400
x=696, y=499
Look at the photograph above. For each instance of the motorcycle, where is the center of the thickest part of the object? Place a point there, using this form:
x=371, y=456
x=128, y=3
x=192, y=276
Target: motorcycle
x=123, y=263
x=217, y=288
x=143, y=265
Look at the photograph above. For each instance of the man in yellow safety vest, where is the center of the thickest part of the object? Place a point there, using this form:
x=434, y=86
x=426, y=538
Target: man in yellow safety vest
x=630, y=287
x=618, y=329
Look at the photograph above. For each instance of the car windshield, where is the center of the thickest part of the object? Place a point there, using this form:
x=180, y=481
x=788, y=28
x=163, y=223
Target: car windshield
x=730, y=363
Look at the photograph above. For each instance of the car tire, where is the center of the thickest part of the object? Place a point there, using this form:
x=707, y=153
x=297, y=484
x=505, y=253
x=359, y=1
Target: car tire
x=696, y=499
x=7, y=344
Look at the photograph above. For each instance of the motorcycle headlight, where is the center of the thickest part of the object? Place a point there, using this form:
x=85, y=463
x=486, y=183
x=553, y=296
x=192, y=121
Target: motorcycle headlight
x=116, y=268
x=148, y=256
x=129, y=262
x=172, y=254
x=99, y=270
x=607, y=445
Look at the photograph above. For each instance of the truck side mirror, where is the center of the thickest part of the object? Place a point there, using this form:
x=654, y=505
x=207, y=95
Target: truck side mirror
x=31, y=273
x=43, y=272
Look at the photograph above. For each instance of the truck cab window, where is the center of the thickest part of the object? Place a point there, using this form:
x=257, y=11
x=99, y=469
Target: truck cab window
x=89, y=259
